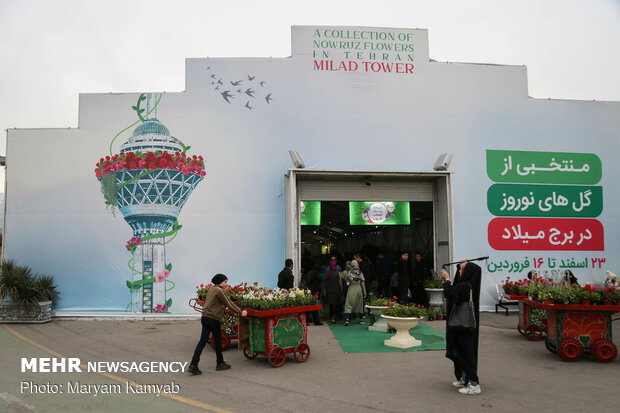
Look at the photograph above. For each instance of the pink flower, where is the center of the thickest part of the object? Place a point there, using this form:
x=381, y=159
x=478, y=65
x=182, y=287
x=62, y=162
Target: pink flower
x=165, y=273
x=160, y=278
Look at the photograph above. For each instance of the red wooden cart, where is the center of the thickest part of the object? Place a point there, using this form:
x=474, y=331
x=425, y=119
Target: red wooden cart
x=230, y=324
x=573, y=329
x=275, y=333
x=532, y=320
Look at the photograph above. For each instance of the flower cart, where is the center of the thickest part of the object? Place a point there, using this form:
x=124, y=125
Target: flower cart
x=230, y=324
x=532, y=320
x=275, y=333
x=573, y=329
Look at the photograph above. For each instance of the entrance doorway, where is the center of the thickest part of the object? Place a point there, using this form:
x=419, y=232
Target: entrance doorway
x=427, y=195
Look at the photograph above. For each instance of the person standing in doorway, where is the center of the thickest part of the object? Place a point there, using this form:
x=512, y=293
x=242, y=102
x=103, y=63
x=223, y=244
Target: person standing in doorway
x=420, y=274
x=333, y=289
x=313, y=282
x=365, y=269
x=404, y=278
x=215, y=305
x=385, y=269
x=286, y=279
x=355, y=293
x=462, y=345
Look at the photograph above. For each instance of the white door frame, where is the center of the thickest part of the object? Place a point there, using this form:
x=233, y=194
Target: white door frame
x=444, y=224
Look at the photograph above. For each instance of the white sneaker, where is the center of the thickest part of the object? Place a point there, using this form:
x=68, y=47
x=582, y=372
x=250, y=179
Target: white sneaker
x=469, y=389
x=459, y=384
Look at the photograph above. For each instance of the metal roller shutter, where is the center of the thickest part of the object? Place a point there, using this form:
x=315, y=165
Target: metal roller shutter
x=359, y=190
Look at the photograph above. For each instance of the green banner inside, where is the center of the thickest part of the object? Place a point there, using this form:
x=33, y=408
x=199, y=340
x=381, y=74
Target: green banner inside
x=310, y=212
x=379, y=213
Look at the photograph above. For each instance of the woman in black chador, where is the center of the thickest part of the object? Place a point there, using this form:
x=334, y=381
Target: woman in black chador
x=462, y=345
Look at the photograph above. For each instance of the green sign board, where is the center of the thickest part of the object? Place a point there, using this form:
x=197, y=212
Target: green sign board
x=516, y=200
x=543, y=167
x=310, y=212
x=379, y=213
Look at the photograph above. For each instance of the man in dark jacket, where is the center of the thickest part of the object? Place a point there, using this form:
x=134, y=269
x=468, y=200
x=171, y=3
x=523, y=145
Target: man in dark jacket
x=404, y=278
x=420, y=274
x=286, y=278
x=313, y=282
x=385, y=269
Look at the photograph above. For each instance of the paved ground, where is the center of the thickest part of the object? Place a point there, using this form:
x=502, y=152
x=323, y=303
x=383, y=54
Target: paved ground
x=516, y=375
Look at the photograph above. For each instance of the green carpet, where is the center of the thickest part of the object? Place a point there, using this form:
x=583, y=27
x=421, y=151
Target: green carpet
x=357, y=339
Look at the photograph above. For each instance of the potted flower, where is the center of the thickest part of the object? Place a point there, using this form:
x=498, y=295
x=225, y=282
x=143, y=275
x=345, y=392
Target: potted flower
x=609, y=296
x=561, y=293
x=25, y=297
x=403, y=319
x=434, y=290
x=590, y=295
x=375, y=306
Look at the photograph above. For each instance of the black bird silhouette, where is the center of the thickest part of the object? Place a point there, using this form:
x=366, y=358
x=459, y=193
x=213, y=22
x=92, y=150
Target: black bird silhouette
x=226, y=95
x=217, y=87
x=239, y=90
x=237, y=83
x=262, y=83
x=250, y=92
x=247, y=105
x=213, y=76
x=220, y=82
x=268, y=98
x=250, y=78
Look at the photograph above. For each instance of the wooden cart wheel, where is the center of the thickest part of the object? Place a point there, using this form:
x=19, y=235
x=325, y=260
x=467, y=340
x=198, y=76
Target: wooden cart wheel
x=246, y=353
x=570, y=349
x=276, y=356
x=604, y=351
x=552, y=348
x=225, y=341
x=533, y=333
x=302, y=352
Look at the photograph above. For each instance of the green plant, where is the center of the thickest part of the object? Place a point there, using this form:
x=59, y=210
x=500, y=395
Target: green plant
x=611, y=294
x=380, y=302
x=433, y=283
x=561, y=293
x=402, y=311
x=19, y=285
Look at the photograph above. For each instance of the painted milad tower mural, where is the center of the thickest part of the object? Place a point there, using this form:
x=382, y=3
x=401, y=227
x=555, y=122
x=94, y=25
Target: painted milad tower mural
x=149, y=181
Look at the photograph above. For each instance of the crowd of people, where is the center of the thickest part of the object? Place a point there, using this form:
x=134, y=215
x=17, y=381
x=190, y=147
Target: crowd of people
x=341, y=284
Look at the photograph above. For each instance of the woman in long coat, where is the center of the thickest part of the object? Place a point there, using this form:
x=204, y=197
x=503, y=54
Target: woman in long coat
x=462, y=345
x=333, y=289
x=355, y=293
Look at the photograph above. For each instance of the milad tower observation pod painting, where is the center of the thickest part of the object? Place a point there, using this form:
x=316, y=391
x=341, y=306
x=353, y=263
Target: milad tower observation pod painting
x=149, y=181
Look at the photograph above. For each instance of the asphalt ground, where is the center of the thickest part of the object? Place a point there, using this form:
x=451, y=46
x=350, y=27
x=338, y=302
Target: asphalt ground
x=515, y=374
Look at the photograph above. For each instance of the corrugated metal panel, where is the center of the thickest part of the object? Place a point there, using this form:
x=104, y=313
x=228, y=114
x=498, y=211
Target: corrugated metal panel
x=356, y=190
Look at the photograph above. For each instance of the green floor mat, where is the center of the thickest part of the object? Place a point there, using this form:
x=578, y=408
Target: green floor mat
x=357, y=339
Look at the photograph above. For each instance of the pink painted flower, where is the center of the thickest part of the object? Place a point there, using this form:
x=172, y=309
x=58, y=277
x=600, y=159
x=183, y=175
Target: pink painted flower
x=160, y=278
x=165, y=273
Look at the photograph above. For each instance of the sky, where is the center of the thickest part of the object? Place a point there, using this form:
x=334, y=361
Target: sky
x=53, y=50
